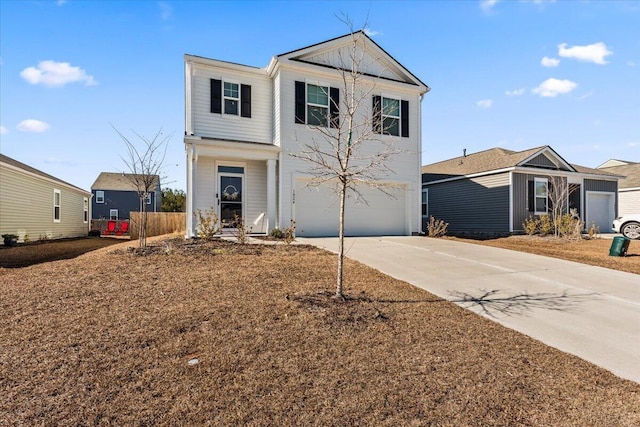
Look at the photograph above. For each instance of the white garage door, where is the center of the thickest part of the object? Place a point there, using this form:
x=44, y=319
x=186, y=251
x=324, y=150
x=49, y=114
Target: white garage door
x=316, y=212
x=600, y=210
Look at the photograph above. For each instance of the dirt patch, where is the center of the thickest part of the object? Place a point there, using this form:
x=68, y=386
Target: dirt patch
x=592, y=252
x=26, y=254
x=214, y=333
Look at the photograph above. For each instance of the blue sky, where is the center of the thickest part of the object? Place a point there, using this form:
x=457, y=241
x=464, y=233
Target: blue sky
x=511, y=74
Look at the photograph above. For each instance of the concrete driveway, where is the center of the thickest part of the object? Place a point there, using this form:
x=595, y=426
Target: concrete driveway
x=591, y=312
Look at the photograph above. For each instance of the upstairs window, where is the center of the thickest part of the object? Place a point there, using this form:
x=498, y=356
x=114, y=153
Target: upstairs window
x=235, y=98
x=147, y=198
x=317, y=105
x=390, y=116
x=99, y=196
x=231, y=98
x=56, y=205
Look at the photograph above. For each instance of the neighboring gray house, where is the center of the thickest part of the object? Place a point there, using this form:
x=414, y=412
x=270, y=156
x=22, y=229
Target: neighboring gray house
x=628, y=187
x=35, y=205
x=114, y=196
x=494, y=191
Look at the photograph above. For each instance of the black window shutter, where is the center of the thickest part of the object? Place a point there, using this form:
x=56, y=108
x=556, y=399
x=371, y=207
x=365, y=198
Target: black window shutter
x=404, y=118
x=216, y=96
x=300, y=102
x=532, y=196
x=334, y=107
x=245, y=101
x=377, y=114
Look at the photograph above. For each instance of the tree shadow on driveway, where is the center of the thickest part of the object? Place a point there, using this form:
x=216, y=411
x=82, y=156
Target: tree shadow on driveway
x=498, y=301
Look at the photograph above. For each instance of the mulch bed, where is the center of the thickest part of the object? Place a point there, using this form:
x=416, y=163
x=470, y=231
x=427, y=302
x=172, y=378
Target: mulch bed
x=215, y=333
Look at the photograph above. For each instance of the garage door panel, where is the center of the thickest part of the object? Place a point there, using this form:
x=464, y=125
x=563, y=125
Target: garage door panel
x=600, y=210
x=316, y=212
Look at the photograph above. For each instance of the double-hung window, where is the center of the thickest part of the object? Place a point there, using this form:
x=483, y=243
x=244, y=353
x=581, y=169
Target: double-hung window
x=231, y=98
x=85, y=210
x=99, y=196
x=147, y=198
x=541, y=191
x=56, y=205
x=317, y=105
x=390, y=116
x=113, y=214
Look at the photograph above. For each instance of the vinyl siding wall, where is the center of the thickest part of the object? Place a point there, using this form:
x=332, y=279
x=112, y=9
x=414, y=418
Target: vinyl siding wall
x=293, y=136
x=541, y=160
x=628, y=202
x=125, y=202
x=26, y=207
x=257, y=128
x=477, y=205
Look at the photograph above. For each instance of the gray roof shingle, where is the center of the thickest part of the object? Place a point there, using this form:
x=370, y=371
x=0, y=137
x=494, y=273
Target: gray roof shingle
x=117, y=181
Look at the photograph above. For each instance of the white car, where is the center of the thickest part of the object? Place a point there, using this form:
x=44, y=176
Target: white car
x=628, y=225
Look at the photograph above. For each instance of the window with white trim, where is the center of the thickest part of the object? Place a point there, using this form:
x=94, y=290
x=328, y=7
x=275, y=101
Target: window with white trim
x=56, y=205
x=147, y=198
x=99, y=196
x=85, y=210
x=424, y=202
x=541, y=192
x=113, y=214
x=317, y=105
x=390, y=116
x=231, y=98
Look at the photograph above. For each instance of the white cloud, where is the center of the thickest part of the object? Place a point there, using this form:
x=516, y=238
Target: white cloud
x=586, y=95
x=516, y=92
x=484, y=103
x=551, y=88
x=487, y=5
x=595, y=53
x=166, y=10
x=633, y=144
x=3, y=130
x=56, y=74
x=629, y=63
x=61, y=2
x=32, y=125
x=370, y=32
x=549, y=62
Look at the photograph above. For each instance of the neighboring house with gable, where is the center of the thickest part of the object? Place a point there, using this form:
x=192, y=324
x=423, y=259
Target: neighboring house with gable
x=494, y=191
x=628, y=186
x=115, y=195
x=35, y=205
x=242, y=123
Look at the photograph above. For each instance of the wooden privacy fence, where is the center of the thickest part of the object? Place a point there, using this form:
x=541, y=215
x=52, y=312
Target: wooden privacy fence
x=158, y=223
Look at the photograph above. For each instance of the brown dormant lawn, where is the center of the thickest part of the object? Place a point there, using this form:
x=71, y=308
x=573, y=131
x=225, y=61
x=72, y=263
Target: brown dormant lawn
x=214, y=333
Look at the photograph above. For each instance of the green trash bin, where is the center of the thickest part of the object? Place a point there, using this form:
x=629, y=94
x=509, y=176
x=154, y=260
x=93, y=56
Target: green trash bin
x=619, y=246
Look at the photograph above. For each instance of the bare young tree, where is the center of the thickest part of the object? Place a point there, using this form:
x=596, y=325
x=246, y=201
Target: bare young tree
x=144, y=162
x=558, y=194
x=336, y=156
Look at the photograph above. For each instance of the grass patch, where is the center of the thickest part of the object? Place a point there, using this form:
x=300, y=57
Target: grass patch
x=110, y=338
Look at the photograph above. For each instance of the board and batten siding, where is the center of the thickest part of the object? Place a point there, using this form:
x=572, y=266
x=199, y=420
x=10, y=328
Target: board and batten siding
x=474, y=205
x=255, y=187
x=257, y=128
x=541, y=160
x=293, y=136
x=27, y=209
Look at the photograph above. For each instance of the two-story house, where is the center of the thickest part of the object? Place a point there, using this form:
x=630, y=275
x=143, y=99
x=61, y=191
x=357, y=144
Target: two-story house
x=244, y=125
x=115, y=196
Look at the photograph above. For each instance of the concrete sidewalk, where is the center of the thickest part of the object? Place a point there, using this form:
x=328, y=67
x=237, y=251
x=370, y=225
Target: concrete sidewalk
x=591, y=312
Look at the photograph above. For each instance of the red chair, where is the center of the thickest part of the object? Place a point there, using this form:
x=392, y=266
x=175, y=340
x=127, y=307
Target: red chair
x=124, y=228
x=111, y=228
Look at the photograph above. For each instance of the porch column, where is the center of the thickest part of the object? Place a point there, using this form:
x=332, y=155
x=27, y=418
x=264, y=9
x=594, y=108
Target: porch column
x=191, y=191
x=271, y=194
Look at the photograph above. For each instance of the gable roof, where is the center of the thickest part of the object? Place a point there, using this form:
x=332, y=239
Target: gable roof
x=496, y=159
x=631, y=173
x=614, y=162
x=8, y=160
x=118, y=181
x=316, y=54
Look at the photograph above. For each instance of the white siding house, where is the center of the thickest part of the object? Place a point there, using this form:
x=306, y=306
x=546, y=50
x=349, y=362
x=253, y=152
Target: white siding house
x=629, y=185
x=35, y=205
x=242, y=125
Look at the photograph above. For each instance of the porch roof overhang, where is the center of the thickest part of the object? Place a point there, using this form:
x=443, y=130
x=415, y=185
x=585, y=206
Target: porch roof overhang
x=229, y=149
